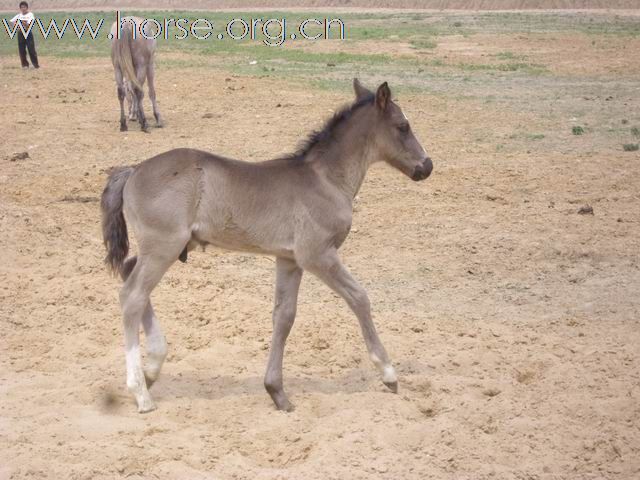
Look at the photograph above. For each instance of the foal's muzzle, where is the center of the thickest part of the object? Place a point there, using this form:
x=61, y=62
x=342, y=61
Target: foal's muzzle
x=422, y=171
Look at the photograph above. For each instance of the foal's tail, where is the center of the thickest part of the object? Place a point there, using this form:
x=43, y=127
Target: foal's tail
x=124, y=57
x=114, y=226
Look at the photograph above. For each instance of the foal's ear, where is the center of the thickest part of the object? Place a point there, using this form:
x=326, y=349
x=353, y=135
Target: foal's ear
x=383, y=96
x=361, y=90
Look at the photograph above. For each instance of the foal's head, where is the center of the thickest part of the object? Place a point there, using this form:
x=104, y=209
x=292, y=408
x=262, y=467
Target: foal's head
x=394, y=141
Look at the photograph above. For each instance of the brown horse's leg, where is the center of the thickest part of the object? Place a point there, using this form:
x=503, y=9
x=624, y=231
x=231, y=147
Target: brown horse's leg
x=139, y=94
x=121, y=95
x=288, y=276
x=131, y=101
x=330, y=270
x=152, y=94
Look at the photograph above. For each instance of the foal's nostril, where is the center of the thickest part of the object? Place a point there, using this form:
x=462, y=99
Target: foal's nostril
x=419, y=173
x=423, y=170
x=428, y=166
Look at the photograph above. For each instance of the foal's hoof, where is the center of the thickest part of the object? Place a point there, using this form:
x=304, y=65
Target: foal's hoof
x=150, y=379
x=123, y=127
x=286, y=406
x=393, y=386
x=146, y=406
x=281, y=402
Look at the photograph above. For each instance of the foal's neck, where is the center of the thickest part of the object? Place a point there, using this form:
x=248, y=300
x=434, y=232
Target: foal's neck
x=347, y=157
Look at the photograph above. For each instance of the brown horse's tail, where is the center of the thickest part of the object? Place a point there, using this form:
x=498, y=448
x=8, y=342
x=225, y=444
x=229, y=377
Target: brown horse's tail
x=114, y=226
x=124, y=57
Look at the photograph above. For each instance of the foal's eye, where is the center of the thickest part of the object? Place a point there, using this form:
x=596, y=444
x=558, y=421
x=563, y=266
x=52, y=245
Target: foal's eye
x=404, y=128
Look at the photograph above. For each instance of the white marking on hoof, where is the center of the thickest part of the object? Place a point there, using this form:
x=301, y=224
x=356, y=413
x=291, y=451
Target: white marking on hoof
x=389, y=374
x=146, y=406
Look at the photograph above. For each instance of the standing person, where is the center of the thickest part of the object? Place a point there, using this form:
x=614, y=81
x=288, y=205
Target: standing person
x=26, y=18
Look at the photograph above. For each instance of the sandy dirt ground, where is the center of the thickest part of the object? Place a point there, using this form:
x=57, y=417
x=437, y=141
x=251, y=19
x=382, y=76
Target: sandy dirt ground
x=512, y=319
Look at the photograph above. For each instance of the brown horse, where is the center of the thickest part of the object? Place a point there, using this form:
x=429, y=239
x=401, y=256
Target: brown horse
x=132, y=55
x=297, y=208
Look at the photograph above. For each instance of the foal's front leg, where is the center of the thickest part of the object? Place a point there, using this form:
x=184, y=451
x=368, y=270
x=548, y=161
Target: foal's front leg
x=331, y=271
x=288, y=276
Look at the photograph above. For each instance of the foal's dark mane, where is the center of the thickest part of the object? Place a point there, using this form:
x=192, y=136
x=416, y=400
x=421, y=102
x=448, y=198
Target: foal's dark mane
x=327, y=132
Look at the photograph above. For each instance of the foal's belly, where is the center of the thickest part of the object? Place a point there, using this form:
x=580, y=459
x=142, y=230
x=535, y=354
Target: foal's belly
x=229, y=236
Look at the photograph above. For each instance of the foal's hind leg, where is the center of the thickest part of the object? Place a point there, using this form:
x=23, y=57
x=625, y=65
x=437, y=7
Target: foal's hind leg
x=156, y=345
x=134, y=298
x=156, y=342
x=288, y=276
x=152, y=94
x=330, y=270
